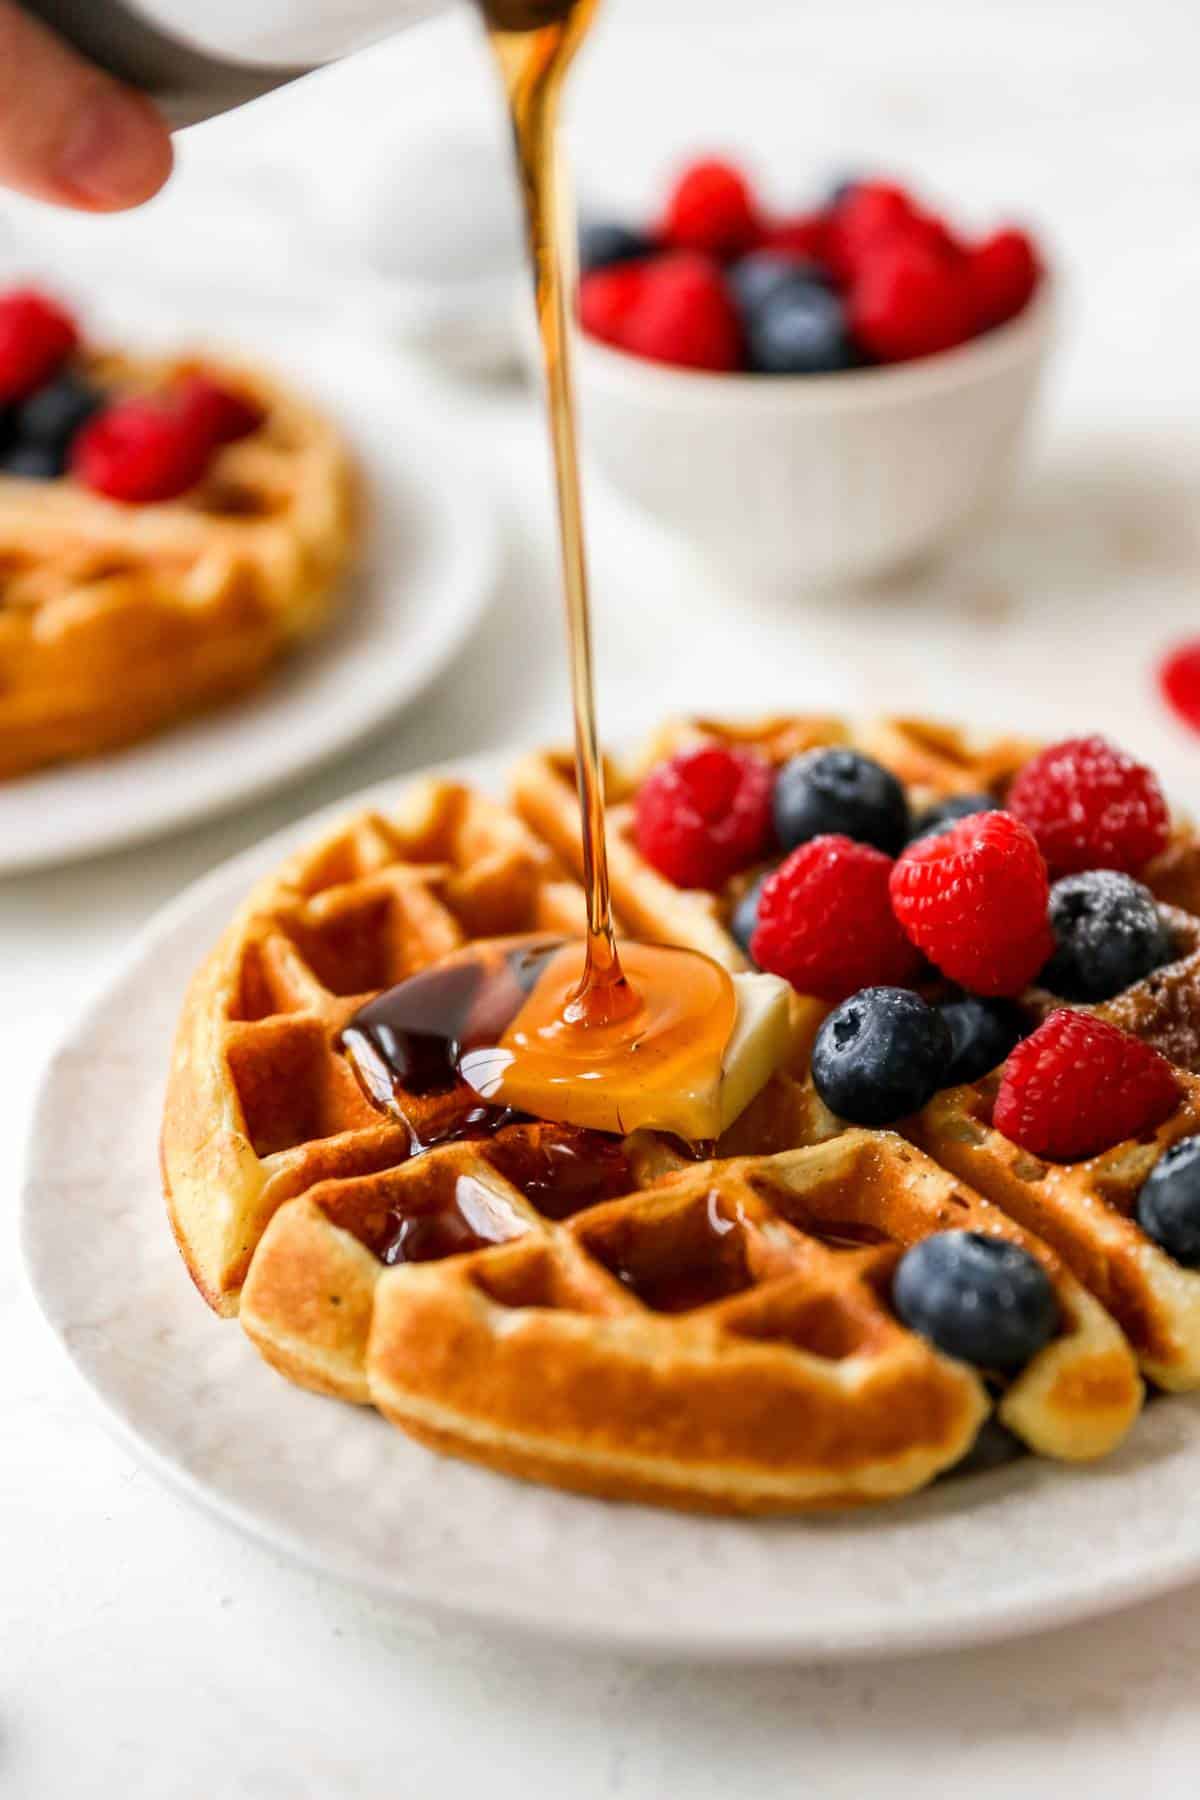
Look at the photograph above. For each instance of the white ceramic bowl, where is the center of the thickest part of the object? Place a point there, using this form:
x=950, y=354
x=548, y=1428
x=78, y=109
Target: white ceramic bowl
x=819, y=479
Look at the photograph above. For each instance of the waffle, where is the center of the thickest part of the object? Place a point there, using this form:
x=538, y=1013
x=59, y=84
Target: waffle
x=1086, y=1211
x=115, y=619
x=260, y=1106
x=722, y=1340
x=603, y=1315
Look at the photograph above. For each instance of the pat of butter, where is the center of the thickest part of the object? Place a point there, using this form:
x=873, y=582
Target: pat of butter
x=761, y=1043
x=696, y=1092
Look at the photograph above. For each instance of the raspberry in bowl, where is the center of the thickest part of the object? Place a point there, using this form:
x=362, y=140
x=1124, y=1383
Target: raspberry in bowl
x=818, y=397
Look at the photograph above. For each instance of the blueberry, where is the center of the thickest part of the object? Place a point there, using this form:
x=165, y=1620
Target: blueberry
x=757, y=278
x=51, y=416
x=32, y=462
x=1168, y=1207
x=982, y=1032
x=1109, y=933
x=602, y=243
x=880, y=1055
x=839, y=791
x=745, y=913
x=939, y=818
x=800, y=329
x=976, y=1297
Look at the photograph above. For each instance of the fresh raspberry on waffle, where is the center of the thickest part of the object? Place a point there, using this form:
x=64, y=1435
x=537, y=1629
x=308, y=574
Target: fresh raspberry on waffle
x=974, y=900
x=1090, y=806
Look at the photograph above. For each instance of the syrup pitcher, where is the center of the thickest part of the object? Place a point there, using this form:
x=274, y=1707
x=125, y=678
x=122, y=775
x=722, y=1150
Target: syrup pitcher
x=199, y=61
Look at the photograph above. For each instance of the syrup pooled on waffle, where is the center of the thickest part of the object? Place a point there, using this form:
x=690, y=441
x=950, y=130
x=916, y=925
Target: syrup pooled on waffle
x=168, y=529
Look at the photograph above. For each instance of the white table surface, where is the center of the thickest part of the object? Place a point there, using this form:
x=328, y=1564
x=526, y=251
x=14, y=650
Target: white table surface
x=146, y=1651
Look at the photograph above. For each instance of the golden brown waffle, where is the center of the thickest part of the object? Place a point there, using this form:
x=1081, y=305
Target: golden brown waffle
x=550, y=1345
x=720, y=1340
x=260, y=1105
x=115, y=619
x=1086, y=1210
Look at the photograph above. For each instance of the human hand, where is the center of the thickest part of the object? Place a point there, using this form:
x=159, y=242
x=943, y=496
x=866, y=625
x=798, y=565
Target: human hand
x=69, y=133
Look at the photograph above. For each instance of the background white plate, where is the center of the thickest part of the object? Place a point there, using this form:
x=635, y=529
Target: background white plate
x=428, y=569
x=972, y=1559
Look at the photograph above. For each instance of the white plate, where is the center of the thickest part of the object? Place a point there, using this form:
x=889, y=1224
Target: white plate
x=972, y=1559
x=429, y=567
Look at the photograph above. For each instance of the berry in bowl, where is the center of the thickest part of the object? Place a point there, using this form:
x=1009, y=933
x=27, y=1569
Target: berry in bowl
x=822, y=397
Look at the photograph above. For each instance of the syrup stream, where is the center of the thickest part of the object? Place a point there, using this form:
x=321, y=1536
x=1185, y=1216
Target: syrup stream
x=534, y=44
x=529, y=1028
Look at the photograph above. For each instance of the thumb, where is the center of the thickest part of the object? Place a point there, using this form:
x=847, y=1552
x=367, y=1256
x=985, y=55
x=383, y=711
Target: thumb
x=68, y=133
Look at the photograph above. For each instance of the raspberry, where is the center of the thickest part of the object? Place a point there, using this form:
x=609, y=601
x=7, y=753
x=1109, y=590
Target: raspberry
x=933, y=234
x=1078, y=1085
x=1179, y=680
x=36, y=338
x=869, y=214
x=704, y=815
x=712, y=209
x=907, y=301
x=875, y=216
x=219, y=414
x=607, y=298
x=685, y=314
x=805, y=237
x=1002, y=272
x=975, y=901
x=1091, y=807
x=139, y=450
x=825, y=922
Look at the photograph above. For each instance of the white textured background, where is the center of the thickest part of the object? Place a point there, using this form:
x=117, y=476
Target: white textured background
x=146, y=1652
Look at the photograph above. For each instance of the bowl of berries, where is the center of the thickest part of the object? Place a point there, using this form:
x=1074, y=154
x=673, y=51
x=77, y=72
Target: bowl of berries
x=820, y=398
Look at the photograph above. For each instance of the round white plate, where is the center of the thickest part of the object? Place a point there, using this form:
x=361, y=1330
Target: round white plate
x=975, y=1558
x=428, y=569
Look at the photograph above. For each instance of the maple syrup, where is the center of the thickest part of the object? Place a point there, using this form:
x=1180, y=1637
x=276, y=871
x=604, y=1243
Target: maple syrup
x=581, y=1034
x=483, y=1040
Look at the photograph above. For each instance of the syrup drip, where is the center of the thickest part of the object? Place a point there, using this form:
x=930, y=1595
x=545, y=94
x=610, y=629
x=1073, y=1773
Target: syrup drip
x=405, y=1045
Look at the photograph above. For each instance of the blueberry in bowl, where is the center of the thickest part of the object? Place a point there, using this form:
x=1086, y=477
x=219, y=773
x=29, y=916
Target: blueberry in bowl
x=757, y=278
x=603, y=243
x=800, y=328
